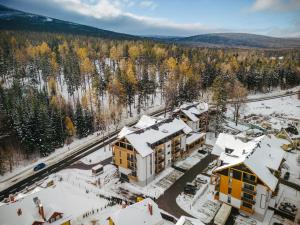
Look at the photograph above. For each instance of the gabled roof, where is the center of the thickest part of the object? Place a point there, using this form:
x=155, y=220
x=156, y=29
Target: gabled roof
x=259, y=155
x=194, y=136
x=142, y=135
x=138, y=213
x=9, y=211
x=192, y=110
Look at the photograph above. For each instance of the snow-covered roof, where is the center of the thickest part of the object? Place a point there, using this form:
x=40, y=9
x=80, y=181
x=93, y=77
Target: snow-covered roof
x=126, y=130
x=194, y=137
x=138, y=213
x=259, y=155
x=183, y=220
x=192, y=110
x=156, y=130
x=29, y=210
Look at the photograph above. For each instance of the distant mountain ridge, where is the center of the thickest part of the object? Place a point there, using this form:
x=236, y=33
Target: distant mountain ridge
x=239, y=40
x=11, y=19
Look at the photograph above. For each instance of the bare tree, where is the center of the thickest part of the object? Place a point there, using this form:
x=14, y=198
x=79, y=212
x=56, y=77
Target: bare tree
x=238, y=96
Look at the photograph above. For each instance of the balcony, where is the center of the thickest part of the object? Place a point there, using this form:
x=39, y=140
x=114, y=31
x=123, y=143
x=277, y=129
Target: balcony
x=160, y=160
x=247, y=190
x=131, y=159
x=249, y=200
x=176, y=149
x=249, y=181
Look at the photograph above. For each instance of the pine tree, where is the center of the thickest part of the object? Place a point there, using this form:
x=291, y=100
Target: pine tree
x=79, y=121
x=219, y=99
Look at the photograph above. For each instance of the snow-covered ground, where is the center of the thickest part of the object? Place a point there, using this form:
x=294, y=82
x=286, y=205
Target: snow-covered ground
x=292, y=165
x=287, y=107
x=201, y=205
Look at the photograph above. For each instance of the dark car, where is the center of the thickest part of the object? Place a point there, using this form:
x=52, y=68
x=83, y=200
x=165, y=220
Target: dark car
x=39, y=166
x=190, y=189
x=276, y=223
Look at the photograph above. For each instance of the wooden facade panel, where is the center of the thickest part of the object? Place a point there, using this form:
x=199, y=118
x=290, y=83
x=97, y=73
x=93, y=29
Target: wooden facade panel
x=236, y=188
x=224, y=184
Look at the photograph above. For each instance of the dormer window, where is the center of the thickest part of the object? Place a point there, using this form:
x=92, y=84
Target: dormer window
x=228, y=150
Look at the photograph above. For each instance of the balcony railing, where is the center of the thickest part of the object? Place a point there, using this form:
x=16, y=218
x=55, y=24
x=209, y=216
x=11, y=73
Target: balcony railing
x=249, y=181
x=252, y=201
x=248, y=190
x=160, y=159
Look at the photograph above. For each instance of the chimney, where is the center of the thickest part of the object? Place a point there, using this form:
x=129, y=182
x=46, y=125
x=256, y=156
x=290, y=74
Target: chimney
x=41, y=211
x=150, y=209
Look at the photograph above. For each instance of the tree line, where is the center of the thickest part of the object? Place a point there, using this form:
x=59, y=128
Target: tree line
x=55, y=87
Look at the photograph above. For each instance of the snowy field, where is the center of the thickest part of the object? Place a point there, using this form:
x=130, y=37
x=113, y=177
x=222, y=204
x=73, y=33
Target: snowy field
x=286, y=107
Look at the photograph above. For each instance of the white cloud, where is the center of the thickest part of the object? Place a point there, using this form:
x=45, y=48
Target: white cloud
x=148, y=4
x=115, y=10
x=100, y=9
x=279, y=5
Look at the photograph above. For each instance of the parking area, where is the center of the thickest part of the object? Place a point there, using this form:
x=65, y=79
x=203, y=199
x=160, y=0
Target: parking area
x=168, y=180
x=289, y=208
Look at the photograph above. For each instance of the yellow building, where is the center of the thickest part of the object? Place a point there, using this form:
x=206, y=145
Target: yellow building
x=247, y=173
x=143, y=151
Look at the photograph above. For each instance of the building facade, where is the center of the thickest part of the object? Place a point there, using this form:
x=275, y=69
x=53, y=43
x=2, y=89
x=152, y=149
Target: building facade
x=247, y=173
x=143, y=151
x=195, y=115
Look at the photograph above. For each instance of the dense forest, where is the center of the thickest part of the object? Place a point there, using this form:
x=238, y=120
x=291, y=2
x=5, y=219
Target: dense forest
x=55, y=87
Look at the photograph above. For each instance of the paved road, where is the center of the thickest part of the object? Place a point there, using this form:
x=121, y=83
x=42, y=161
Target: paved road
x=167, y=201
x=82, y=166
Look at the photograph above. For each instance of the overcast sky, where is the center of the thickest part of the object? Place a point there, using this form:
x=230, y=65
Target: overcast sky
x=279, y=18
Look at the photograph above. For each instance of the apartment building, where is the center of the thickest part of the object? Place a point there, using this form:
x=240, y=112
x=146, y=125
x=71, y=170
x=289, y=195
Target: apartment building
x=247, y=173
x=144, y=150
x=195, y=115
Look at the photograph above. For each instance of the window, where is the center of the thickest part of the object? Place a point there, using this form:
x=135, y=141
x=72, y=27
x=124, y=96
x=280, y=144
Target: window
x=248, y=177
x=122, y=145
x=129, y=147
x=236, y=174
x=120, y=161
x=120, y=153
x=228, y=150
x=248, y=196
x=229, y=190
x=229, y=199
x=249, y=186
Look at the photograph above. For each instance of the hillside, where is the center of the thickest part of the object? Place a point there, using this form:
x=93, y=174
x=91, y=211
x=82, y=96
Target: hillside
x=11, y=19
x=243, y=40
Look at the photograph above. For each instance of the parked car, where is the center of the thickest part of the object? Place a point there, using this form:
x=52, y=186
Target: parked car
x=201, y=151
x=290, y=205
x=39, y=166
x=276, y=223
x=286, y=175
x=190, y=188
x=200, y=180
x=287, y=210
